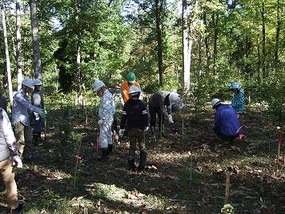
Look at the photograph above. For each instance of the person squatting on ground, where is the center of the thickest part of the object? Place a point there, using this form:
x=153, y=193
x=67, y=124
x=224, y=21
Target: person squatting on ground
x=21, y=120
x=106, y=117
x=37, y=100
x=226, y=124
x=238, y=98
x=163, y=103
x=131, y=80
x=8, y=158
x=135, y=113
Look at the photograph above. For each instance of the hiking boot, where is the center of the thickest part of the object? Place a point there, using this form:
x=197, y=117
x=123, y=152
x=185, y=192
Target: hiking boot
x=20, y=207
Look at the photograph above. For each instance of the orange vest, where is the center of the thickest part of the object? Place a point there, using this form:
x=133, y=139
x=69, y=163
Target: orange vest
x=125, y=90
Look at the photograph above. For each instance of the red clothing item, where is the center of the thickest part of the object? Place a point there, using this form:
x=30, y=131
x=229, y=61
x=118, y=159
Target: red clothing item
x=125, y=89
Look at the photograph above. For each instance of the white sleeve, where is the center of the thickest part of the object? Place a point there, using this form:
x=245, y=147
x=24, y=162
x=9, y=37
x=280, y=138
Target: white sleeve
x=7, y=129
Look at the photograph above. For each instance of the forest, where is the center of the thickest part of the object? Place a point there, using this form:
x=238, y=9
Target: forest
x=195, y=47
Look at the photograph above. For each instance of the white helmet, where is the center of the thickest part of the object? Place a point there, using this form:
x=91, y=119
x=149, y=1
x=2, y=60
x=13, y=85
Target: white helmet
x=175, y=101
x=215, y=102
x=134, y=90
x=28, y=82
x=174, y=97
x=97, y=85
x=37, y=82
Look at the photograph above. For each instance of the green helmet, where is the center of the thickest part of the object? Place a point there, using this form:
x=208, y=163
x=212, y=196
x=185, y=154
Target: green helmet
x=131, y=77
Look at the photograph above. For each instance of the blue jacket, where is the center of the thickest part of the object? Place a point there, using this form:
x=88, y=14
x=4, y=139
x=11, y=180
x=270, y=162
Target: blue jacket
x=226, y=121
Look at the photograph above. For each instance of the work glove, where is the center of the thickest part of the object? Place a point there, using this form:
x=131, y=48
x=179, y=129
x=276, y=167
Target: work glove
x=121, y=132
x=146, y=128
x=17, y=162
x=42, y=114
x=100, y=122
x=170, y=120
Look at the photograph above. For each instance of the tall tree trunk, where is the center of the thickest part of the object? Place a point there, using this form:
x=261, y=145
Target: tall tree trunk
x=263, y=57
x=7, y=56
x=158, y=14
x=207, y=49
x=35, y=38
x=277, y=36
x=215, y=49
x=78, y=75
x=187, y=46
x=18, y=43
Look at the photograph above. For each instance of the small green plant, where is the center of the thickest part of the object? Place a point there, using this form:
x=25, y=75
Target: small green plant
x=227, y=209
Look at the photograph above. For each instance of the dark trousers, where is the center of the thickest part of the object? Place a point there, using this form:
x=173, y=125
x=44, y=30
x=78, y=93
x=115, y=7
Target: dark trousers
x=224, y=137
x=153, y=111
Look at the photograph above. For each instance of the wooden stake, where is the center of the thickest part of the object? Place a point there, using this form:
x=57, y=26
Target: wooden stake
x=279, y=141
x=228, y=175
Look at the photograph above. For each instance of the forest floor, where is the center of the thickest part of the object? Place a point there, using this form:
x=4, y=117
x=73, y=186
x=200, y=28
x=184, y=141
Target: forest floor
x=186, y=170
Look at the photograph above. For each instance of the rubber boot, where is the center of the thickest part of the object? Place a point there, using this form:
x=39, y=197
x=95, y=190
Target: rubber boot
x=131, y=164
x=110, y=149
x=143, y=155
x=152, y=130
x=104, y=155
x=161, y=131
x=36, y=139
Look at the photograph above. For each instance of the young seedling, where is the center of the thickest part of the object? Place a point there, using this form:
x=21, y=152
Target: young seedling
x=78, y=158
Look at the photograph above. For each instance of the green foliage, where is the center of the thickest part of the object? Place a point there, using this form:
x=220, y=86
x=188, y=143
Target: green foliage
x=227, y=209
x=271, y=91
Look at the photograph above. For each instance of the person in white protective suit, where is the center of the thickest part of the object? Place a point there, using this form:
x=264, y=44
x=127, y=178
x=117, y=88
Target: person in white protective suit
x=106, y=117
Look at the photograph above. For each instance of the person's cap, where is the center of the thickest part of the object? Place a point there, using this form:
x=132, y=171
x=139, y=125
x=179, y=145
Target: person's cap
x=97, y=85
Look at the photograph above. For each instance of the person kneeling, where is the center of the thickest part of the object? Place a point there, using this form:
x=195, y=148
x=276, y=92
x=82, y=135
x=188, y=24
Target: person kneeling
x=226, y=123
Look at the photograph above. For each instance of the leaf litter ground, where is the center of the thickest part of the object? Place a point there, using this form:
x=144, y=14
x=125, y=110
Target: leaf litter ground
x=185, y=173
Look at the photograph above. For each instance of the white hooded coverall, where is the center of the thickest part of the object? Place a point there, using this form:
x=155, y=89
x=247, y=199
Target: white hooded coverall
x=106, y=114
